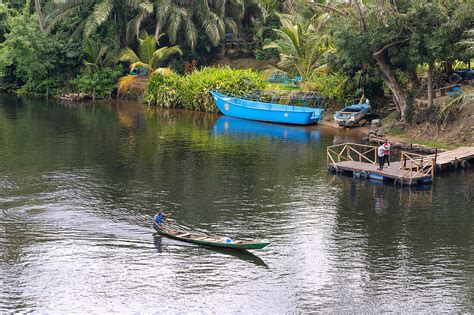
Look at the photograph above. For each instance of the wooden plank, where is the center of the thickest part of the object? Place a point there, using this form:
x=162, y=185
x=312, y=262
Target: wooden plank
x=393, y=172
x=448, y=157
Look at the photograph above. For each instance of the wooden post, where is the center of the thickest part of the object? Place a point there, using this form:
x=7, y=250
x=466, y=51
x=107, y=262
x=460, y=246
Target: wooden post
x=432, y=168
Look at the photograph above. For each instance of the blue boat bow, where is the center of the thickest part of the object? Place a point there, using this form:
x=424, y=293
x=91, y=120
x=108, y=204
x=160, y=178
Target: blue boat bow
x=266, y=111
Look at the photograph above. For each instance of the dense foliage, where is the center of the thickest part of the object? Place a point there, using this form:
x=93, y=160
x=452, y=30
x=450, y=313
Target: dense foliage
x=33, y=62
x=192, y=91
x=383, y=48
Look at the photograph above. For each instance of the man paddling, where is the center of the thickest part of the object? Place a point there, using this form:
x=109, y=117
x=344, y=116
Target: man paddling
x=160, y=217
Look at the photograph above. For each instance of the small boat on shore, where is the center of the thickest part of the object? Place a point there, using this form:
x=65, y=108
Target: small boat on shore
x=266, y=111
x=352, y=114
x=206, y=239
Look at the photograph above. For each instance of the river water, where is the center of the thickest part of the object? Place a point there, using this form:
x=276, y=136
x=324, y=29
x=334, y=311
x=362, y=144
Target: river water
x=79, y=186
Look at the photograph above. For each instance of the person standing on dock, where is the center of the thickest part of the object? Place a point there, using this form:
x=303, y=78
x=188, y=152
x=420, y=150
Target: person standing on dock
x=386, y=146
x=381, y=156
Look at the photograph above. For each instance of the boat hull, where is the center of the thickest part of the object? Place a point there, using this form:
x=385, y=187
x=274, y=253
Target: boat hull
x=270, y=112
x=351, y=118
x=213, y=243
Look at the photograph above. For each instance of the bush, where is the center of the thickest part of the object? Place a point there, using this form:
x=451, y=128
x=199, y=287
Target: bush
x=192, y=91
x=332, y=86
x=163, y=90
x=98, y=84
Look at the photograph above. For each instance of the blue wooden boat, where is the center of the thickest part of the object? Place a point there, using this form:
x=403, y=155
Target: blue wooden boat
x=352, y=114
x=266, y=111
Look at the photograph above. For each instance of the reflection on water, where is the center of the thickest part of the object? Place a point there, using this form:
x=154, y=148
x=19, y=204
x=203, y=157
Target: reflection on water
x=79, y=186
x=241, y=128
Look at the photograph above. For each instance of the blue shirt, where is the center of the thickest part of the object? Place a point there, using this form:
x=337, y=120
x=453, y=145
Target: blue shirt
x=159, y=218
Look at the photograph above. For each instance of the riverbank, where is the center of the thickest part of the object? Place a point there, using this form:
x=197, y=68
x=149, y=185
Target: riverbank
x=426, y=135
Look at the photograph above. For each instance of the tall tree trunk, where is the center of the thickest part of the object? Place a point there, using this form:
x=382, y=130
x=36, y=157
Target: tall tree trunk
x=399, y=96
x=40, y=15
x=430, y=84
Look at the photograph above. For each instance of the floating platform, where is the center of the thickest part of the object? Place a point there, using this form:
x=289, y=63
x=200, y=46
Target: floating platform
x=411, y=169
x=394, y=172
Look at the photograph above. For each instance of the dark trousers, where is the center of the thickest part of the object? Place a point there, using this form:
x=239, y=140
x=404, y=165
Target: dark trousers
x=381, y=161
x=386, y=160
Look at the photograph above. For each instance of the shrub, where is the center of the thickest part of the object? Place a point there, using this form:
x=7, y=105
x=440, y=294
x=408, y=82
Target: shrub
x=163, y=90
x=196, y=86
x=98, y=84
x=332, y=86
x=192, y=91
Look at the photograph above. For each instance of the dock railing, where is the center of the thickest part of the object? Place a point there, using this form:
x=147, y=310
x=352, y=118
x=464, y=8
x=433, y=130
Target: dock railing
x=417, y=164
x=351, y=152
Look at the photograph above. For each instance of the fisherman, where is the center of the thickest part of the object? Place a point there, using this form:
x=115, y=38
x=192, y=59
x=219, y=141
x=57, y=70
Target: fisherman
x=381, y=156
x=160, y=217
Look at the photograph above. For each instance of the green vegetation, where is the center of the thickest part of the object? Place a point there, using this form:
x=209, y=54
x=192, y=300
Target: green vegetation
x=148, y=60
x=303, y=45
x=98, y=84
x=383, y=49
x=192, y=91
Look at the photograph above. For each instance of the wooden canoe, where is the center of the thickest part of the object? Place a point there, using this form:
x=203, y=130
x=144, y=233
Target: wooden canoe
x=207, y=240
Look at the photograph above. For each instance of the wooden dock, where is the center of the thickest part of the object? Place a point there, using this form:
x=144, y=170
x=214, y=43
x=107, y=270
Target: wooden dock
x=456, y=158
x=412, y=168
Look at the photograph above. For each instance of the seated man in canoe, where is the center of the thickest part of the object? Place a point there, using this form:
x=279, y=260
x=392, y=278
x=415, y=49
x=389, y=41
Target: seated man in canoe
x=160, y=217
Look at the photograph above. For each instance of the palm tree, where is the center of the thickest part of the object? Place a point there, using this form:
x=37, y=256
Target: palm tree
x=303, y=46
x=188, y=19
x=182, y=20
x=124, y=12
x=97, y=56
x=177, y=16
x=148, y=57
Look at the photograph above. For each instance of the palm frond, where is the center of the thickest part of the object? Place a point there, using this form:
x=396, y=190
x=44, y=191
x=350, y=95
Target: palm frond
x=174, y=25
x=139, y=65
x=100, y=14
x=163, y=53
x=191, y=32
x=125, y=83
x=141, y=5
x=231, y=25
x=127, y=54
x=147, y=48
x=164, y=8
x=72, y=7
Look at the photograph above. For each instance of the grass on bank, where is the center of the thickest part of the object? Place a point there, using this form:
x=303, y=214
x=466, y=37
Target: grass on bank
x=401, y=134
